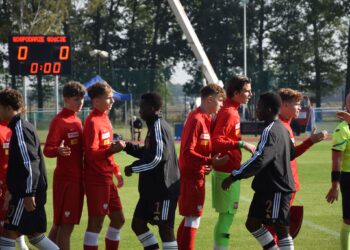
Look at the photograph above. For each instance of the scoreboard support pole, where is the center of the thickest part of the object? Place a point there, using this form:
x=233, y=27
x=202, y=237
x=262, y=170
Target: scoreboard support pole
x=24, y=78
x=56, y=95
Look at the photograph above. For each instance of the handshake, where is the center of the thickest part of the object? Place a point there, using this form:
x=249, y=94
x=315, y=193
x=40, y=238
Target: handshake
x=118, y=144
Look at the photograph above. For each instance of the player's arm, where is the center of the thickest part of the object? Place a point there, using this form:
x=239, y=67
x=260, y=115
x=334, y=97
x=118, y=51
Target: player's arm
x=189, y=144
x=261, y=158
x=314, y=138
x=223, y=126
x=155, y=153
x=134, y=150
x=53, y=140
x=30, y=160
x=92, y=143
x=333, y=192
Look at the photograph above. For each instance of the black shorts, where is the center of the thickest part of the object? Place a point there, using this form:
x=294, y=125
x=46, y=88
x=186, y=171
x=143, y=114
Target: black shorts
x=271, y=208
x=155, y=212
x=345, y=192
x=27, y=223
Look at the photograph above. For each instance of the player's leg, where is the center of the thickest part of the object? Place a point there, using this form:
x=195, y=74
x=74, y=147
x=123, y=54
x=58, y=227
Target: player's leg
x=41, y=242
x=345, y=229
x=259, y=212
x=166, y=209
x=21, y=243
x=285, y=241
x=142, y=215
x=53, y=233
x=8, y=239
x=63, y=236
x=117, y=220
x=191, y=203
x=226, y=204
x=97, y=198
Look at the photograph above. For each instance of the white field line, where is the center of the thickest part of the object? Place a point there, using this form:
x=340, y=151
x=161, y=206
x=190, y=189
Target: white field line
x=308, y=223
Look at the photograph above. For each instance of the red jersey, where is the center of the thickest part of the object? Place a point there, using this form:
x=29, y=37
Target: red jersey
x=195, y=146
x=98, y=160
x=300, y=149
x=5, y=135
x=226, y=135
x=68, y=127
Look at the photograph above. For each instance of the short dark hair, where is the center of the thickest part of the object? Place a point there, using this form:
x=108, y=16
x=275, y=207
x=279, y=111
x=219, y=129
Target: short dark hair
x=99, y=89
x=11, y=97
x=73, y=89
x=236, y=83
x=212, y=89
x=154, y=99
x=271, y=100
x=289, y=95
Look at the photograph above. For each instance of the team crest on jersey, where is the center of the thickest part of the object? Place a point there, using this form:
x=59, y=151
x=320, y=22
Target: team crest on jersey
x=204, y=142
x=74, y=141
x=74, y=134
x=105, y=205
x=205, y=136
x=156, y=218
x=6, y=145
x=238, y=129
x=66, y=214
x=106, y=142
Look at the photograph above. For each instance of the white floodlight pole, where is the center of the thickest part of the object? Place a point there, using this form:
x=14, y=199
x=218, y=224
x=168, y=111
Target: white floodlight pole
x=56, y=94
x=193, y=41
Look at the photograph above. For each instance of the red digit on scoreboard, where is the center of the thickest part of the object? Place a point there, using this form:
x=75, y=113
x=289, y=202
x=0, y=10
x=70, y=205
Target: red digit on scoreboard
x=56, y=68
x=34, y=68
x=64, y=53
x=47, y=68
x=22, y=53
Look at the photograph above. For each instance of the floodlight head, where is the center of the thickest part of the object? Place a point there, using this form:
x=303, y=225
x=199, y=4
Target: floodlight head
x=103, y=54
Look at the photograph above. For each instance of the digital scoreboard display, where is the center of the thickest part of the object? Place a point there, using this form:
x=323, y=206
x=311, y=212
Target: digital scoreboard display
x=40, y=55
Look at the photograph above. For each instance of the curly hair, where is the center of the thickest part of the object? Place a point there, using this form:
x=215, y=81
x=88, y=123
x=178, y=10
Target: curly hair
x=11, y=97
x=290, y=95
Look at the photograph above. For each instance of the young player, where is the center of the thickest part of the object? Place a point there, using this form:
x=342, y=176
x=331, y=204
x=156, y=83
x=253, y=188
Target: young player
x=290, y=109
x=341, y=173
x=195, y=162
x=226, y=139
x=273, y=183
x=159, y=177
x=26, y=178
x=65, y=142
x=101, y=193
x=5, y=136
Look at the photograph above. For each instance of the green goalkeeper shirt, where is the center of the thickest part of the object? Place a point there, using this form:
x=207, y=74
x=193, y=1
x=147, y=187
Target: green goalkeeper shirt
x=341, y=142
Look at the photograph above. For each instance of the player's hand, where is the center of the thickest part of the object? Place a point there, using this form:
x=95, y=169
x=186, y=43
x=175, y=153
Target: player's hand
x=29, y=204
x=120, y=180
x=333, y=193
x=227, y=182
x=63, y=150
x=344, y=116
x=117, y=146
x=128, y=171
x=249, y=147
x=219, y=161
x=317, y=137
x=207, y=169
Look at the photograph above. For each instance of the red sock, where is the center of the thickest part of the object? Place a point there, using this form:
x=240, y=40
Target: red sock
x=180, y=231
x=187, y=238
x=274, y=235
x=111, y=244
x=90, y=247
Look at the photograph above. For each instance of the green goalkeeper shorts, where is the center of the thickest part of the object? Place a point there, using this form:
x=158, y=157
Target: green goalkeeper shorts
x=224, y=201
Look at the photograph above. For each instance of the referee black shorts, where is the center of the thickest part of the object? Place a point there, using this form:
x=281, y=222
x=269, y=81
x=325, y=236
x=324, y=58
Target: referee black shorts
x=27, y=223
x=271, y=208
x=345, y=192
x=155, y=212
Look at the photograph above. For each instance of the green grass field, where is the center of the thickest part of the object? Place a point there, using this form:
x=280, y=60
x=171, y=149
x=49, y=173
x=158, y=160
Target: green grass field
x=320, y=229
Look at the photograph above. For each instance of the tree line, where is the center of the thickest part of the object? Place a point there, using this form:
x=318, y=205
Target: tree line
x=303, y=44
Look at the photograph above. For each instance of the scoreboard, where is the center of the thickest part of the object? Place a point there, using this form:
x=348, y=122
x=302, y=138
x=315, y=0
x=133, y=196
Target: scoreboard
x=40, y=55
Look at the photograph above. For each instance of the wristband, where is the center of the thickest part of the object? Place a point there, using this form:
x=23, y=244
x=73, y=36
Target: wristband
x=335, y=176
x=240, y=144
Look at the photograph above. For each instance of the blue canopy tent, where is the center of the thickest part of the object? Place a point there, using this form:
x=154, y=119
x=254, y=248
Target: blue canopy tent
x=116, y=95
